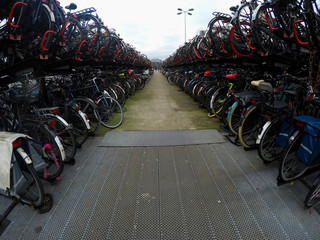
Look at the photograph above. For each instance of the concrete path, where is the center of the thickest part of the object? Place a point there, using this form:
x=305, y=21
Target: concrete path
x=161, y=106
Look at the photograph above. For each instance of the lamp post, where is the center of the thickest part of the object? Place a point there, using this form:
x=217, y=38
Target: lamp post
x=185, y=24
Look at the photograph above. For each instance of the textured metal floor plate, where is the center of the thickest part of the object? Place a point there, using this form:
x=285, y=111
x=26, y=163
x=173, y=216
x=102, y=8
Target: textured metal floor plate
x=161, y=138
x=209, y=191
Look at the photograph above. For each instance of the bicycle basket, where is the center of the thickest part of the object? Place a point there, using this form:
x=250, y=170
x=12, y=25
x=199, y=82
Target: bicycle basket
x=309, y=149
x=287, y=130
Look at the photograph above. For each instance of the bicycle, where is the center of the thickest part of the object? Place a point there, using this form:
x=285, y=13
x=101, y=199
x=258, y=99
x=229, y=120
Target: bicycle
x=110, y=110
x=302, y=151
x=25, y=185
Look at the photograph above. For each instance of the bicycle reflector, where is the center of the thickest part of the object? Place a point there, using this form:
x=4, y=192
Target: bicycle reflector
x=253, y=101
x=78, y=107
x=55, y=110
x=51, y=123
x=300, y=124
x=16, y=143
x=268, y=117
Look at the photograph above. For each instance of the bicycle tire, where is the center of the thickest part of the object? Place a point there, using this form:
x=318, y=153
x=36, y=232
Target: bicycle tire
x=249, y=127
x=29, y=46
x=45, y=136
x=141, y=84
x=33, y=192
x=268, y=150
x=265, y=37
x=89, y=107
x=217, y=99
x=291, y=167
x=234, y=117
x=313, y=196
x=91, y=25
x=66, y=136
x=79, y=127
x=227, y=104
x=170, y=80
x=110, y=111
x=121, y=94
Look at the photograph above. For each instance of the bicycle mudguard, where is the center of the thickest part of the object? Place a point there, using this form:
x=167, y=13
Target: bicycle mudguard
x=85, y=118
x=61, y=148
x=243, y=115
x=264, y=128
x=230, y=111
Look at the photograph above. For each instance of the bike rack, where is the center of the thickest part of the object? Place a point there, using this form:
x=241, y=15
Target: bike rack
x=85, y=11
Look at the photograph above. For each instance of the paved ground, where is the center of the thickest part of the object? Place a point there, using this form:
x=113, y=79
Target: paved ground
x=161, y=106
x=209, y=191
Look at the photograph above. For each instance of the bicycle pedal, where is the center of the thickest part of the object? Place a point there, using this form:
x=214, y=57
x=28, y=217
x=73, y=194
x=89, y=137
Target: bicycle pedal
x=288, y=36
x=44, y=57
x=15, y=38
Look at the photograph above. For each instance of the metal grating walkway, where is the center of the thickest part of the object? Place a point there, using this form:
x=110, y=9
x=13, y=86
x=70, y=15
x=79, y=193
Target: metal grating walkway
x=160, y=138
x=210, y=191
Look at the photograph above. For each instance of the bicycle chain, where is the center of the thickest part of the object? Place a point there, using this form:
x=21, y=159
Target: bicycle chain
x=314, y=87
x=310, y=67
x=317, y=79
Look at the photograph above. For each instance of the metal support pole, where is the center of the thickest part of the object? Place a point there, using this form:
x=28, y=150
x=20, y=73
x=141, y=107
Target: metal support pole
x=185, y=27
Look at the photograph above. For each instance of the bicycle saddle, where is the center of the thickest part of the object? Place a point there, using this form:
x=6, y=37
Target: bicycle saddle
x=266, y=86
x=256, y=83
x=72, y=6
x=231, y=76
x=234, y=8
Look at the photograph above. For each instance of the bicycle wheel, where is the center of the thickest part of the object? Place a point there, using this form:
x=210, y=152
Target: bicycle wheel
x=73, y=36
x=90, y=108
x=79, y=127
x=226, y=106
x=249, y=127
x=110, y=112
x=121, y=95
x=291, y=167
x=170, y=80
x=217, y=100
x=45, y=136
x=268, y=150
x=234, y=117
x=65, y=134
x=265, y=27
x=313, y=196
x=32, y=192
x=91, y=26
x=33, y=42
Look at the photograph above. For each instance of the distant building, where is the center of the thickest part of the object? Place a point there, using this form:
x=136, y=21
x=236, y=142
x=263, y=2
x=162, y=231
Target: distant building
x=156, y=62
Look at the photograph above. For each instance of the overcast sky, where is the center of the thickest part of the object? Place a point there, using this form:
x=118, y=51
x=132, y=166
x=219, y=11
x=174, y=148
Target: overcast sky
x=153, y=27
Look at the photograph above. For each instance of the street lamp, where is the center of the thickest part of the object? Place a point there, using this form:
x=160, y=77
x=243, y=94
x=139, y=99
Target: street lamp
x=185, y=24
